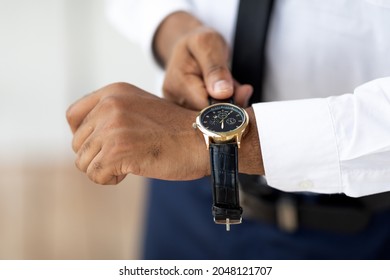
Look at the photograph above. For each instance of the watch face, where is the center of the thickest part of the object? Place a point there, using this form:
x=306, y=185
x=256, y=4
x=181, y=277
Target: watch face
x=222, y=118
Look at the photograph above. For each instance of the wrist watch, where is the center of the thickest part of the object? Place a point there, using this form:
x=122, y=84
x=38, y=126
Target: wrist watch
x=223, y=126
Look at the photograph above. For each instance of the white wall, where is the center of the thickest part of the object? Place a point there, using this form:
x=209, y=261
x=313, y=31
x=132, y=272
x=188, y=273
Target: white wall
x=51, y=53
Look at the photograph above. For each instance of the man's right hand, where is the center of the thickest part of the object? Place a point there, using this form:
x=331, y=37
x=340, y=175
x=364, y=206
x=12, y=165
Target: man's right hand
x=196, y=61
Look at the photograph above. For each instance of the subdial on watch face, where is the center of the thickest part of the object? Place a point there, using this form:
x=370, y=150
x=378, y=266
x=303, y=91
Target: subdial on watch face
x=213, y=120
x=222, y=115
x=222, y=118
x=231, y=121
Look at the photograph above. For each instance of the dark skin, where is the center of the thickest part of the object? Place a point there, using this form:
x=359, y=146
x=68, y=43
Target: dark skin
x=121, y=129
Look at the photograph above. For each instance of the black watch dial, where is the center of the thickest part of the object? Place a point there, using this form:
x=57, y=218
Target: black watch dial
x=222, y=118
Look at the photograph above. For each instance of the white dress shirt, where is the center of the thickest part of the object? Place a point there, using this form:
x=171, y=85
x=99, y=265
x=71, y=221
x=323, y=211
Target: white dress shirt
x=326, y=127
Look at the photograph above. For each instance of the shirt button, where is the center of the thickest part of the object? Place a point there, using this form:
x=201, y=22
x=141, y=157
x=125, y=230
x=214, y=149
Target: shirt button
x=306, y=184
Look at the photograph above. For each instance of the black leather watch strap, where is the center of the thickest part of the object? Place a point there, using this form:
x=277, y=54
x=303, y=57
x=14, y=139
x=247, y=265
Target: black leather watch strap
x=215, y=101
x=224, y=174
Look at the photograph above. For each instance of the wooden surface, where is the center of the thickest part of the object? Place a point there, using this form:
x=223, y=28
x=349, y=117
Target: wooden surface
x=52, y=211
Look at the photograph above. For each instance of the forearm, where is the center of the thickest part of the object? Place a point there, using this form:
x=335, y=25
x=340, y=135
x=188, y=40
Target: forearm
x=173, y=27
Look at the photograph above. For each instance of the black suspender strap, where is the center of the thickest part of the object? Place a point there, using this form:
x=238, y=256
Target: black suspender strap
x=249, y=44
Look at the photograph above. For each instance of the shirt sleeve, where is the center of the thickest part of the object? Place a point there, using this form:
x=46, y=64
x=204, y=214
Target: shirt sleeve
x=338, y=144
x=138, y=20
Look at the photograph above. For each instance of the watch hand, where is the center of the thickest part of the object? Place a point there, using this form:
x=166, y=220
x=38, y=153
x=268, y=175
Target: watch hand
x=221, y=122
x=225, y=116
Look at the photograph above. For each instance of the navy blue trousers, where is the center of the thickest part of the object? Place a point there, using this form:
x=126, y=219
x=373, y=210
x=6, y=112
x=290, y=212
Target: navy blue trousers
x=179, y=225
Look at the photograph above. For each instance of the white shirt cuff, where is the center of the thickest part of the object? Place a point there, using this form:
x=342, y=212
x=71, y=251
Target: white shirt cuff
x=299, y=146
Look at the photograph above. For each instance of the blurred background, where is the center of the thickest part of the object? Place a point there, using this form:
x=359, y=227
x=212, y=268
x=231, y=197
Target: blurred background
x=53, y=52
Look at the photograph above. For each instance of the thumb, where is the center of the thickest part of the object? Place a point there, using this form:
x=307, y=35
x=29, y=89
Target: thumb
x=219, y=81
x=211, y=53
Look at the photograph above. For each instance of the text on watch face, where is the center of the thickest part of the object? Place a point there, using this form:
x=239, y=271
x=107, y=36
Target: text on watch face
x=222, y=118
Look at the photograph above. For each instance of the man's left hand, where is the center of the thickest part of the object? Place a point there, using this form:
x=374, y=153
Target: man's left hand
x=121, y=129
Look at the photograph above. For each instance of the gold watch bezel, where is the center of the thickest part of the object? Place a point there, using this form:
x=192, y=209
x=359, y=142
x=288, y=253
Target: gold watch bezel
x=223, y=137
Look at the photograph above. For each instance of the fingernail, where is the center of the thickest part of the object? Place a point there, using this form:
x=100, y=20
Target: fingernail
x=222, y=86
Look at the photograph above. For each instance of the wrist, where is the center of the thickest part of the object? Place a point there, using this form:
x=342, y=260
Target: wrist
x=250, y=156
x=171, y=29
x=198, y=150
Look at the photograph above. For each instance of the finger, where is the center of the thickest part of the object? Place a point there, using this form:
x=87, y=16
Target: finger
x=87, y=153
x=199, y=96
x=80, y=109
x=101, y=174
x=242, y=95
x=80, y=135
x=193, y=94
x=211, y=52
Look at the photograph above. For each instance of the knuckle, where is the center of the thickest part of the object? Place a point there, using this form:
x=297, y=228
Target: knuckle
x=94, y=173
x=97, y=166
x=77, y=163
x=80, y=166
x=215, y=69
x=78, y=146
x=166, y=89
x=120, y=86
x=111, y=181
x=180, y=100
x=174, y=81
x=170, y=90
x=69, y=115
x=132, y=168
x=112, y=102
x=84, y=148
x=97, y=179
x=75, y=145
x=207, y=35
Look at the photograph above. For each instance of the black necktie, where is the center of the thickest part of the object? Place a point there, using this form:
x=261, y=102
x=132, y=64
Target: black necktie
x=248, y=68
x=249, y=44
